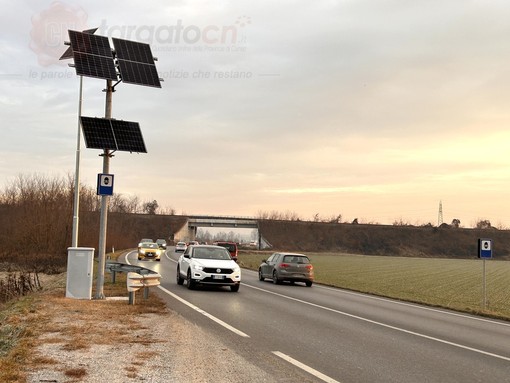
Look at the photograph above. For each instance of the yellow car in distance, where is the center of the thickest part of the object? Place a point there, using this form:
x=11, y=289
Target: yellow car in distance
x=149, y=250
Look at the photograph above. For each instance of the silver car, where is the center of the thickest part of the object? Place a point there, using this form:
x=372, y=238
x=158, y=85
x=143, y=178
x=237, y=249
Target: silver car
x=181, y=246
x=290, y=267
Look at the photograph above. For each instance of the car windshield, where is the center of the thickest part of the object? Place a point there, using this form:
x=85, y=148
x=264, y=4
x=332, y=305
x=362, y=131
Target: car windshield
x=295, y=259
x=228, y=246
x=150, y=245
x=211, y=253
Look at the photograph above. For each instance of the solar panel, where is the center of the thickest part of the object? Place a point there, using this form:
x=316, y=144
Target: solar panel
x=133, y=51
x=98, y=133
x=136, y=63
x=139, y=74
x=68, y=54
x=92, y=55
x=128, y=136
x=94, y=66
x=104, y=133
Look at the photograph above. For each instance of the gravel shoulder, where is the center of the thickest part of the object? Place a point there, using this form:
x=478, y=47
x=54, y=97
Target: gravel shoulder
x=111, y=341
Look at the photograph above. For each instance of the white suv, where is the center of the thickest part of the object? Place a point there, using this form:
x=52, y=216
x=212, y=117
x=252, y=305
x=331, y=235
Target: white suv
x=208, y=265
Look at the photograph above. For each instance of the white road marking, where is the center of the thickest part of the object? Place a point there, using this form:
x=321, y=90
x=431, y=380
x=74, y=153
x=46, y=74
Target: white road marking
x=383, y=324
x=205, y=313
x=421, y=307
x=306, y=368
x=414, y=305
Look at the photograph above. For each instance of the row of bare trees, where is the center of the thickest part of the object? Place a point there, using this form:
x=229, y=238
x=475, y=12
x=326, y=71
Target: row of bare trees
x=29, y=191
x=36, y=217
x=293, y=216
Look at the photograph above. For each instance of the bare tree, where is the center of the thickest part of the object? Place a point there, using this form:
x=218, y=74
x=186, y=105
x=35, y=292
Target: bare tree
x=483, y=224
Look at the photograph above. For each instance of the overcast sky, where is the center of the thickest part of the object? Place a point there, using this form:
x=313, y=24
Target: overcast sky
x=372, y=109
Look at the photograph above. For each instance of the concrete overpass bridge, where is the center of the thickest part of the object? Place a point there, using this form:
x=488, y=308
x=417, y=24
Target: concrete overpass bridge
x=189, y=229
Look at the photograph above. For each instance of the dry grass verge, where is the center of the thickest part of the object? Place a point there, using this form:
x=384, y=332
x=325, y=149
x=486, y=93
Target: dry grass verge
x=38, y=329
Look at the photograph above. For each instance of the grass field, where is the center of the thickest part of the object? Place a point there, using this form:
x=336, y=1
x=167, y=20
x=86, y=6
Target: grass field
x=451, y=283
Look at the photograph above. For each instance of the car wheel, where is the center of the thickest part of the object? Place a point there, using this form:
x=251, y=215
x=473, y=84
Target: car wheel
x=235, y=288
x=158, y=260
x=276, y=281
x=189, y=281
x=139, y=258
x=180, y=280
x=309, y=283
x=261, y=278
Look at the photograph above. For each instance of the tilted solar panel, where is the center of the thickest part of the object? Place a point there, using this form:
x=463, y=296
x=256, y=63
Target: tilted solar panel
x=128, y=136
x=133, y=51
x=92, y=55
x=139, y=74
x=136, y=63
x=94, y=66
x=90, y=44
x=98, y=133
x=104, y=133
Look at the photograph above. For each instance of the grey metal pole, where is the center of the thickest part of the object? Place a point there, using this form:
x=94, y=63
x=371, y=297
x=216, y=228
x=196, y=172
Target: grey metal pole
x=484, y=293
x=104, y=204
x=76, y=206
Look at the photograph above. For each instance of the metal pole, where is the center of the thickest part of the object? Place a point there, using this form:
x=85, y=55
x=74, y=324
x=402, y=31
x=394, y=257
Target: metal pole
x=76, y=206
x=104, y=204
x=484, y=293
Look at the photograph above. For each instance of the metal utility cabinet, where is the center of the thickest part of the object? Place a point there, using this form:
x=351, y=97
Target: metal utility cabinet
x=80, y=263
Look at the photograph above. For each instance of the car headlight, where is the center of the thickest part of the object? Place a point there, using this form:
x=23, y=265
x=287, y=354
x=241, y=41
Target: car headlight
x=237, y=269
x=158, y=252
x=198, y=267
x=142, y=251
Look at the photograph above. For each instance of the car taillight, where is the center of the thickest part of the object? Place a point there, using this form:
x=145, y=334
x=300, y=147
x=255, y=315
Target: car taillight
x=284, y=265
x=309, y=267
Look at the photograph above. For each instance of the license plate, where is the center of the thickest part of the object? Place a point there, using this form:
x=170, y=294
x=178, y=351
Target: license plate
x=217, y=276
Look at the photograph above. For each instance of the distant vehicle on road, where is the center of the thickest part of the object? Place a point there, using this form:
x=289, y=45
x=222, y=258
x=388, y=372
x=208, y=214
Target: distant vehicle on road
x=230, y=246
x=161, y=243
x=145, y=240
x=290, y=267
x=208, y=265
x=149, y=250
x=180, y=246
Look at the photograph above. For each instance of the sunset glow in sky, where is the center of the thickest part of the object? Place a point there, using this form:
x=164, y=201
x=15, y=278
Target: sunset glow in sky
x=376, y=110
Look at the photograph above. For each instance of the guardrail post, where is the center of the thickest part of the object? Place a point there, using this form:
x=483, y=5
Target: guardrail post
x=134, y=283
x=146, y=292
x=132, y=297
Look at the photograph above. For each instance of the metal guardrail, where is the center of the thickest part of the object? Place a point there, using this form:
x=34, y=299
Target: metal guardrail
x=137, y=277
x=117, y=267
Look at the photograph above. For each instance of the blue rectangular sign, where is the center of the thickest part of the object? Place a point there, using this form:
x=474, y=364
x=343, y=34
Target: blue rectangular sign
x=104, y=184
x=484, y=248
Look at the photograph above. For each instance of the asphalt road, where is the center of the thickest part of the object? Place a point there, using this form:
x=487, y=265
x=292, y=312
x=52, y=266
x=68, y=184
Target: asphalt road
x=322, y=334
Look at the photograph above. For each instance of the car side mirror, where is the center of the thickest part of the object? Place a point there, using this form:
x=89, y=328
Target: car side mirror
x=264, y=261
x=186, y=256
